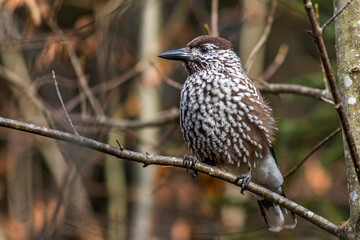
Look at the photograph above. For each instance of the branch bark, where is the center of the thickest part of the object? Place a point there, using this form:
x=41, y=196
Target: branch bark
x=296, y=89
x=148, y=159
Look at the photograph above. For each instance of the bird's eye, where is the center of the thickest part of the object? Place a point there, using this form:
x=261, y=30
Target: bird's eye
x=204, y=49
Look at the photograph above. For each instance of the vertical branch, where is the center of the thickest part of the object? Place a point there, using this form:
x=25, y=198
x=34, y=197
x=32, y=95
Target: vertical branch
x=316, y=32
x=148, y=95
x=214, y=17
x=317, y=15
x=62, y=103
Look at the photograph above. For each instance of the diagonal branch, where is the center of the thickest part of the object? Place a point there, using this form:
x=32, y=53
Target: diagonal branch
x=167, y=80
x=314, y=149
x=263, y=38
x=83, y=82
x=274, y=66
x=148, y=159
x=62, y=103
x=316, y=33
x=108, y=85
x=335, y=15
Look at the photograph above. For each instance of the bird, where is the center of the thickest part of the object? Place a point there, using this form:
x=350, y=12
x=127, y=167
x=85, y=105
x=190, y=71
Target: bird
x=226, y=122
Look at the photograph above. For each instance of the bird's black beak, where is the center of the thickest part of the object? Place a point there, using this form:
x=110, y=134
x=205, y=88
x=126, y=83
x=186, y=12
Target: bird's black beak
x=178, y=54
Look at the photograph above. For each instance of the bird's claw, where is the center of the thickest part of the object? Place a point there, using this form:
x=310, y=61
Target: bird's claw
x=246, y=178
x=189, y=162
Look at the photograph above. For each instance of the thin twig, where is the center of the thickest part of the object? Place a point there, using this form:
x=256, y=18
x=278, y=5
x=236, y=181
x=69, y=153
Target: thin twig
x=62, y=103
x=108, y=85
x=316, y=33
x=326, y=84
x=263, y=38
x=335, y=16
x=148, y=159
x=17, y=82
x=166, y=79
x=327, y=100
x=316, y=10
x=78, y=69
x=120, y=146
x=214, y=17
x=207, y=29
x=317, y=15
x=274, y=66
x=313, y=150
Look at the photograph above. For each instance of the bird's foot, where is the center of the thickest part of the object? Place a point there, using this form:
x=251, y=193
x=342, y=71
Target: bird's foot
x=246, y=177
x=189, y=162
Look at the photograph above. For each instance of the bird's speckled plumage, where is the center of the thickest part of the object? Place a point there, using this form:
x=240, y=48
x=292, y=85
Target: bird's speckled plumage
x=223, y=116
x=225, y=121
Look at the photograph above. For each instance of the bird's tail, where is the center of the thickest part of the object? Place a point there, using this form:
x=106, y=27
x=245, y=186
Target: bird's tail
x=267, y=174
x=276, y=217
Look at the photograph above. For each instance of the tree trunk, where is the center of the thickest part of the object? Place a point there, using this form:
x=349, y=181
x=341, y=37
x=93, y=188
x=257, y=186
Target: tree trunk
x=150, y=105
x=347, y=34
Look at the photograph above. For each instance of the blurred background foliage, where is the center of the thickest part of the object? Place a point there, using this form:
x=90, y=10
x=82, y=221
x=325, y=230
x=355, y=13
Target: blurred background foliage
x=52, y=190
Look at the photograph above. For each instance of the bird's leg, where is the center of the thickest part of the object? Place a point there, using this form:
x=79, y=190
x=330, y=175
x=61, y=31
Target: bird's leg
x=189, y=162
x=246, y=177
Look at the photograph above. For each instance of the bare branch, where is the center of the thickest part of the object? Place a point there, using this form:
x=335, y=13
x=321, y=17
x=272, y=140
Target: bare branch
x=167, y=79
x=274, y=66
x=214, y=17
x=29, y=91
x=335, y=16
x=148, y=159
x=207, y=29
x=263, y=38
x=313, y=150
x=296, y=89
x=62, y=103
x=78, y=69
x=108, y=85
x=316, y=32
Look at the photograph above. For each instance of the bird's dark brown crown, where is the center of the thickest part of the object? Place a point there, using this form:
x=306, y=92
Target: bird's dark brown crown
x=221, y=43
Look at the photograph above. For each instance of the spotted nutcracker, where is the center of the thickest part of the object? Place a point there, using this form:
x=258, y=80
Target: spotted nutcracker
x=226, y=122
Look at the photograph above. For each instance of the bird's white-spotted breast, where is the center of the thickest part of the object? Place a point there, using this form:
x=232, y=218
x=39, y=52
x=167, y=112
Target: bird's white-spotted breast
x=217, y=121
